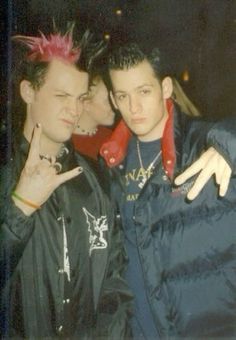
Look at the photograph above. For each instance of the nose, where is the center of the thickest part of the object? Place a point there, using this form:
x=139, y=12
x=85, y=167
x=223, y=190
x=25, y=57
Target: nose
x=73, y=107
x=79, y=107
x=134, y=105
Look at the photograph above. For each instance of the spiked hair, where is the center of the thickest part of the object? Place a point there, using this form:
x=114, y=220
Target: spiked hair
x=44, y=49
x=32, y=57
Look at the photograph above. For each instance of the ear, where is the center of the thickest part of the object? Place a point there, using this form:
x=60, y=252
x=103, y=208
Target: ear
x=167, y=87
x=113, y=100
x=27, y=92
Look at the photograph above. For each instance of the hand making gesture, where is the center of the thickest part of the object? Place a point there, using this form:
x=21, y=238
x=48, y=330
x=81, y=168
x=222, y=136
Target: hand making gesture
x=39, y=177
x=210, y=163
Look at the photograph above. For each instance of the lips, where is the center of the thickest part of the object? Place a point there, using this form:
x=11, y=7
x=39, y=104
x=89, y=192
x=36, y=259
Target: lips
x=68, y=122
x=138, y=120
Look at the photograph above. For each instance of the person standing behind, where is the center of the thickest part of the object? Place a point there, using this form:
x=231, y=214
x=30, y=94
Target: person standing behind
x=92, y=129
x=60, y=254
x=182, y=254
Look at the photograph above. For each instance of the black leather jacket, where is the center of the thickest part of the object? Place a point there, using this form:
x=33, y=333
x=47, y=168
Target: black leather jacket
x=39, y=298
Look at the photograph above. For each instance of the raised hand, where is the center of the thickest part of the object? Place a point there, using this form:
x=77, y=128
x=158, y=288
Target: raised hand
x=39, y=177
x=210, y=163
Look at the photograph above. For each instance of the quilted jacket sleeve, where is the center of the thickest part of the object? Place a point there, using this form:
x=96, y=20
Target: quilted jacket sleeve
x=222, y=136
x=204, y=133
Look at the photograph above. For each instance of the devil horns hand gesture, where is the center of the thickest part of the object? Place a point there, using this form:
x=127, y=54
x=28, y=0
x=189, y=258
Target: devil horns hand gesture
x=39, y=178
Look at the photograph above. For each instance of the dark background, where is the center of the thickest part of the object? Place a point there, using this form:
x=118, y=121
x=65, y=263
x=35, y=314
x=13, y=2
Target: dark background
x=197, y=35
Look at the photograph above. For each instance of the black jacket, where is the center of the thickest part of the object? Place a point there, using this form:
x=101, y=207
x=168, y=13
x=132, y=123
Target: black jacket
x=38, y=298
x=187, y=249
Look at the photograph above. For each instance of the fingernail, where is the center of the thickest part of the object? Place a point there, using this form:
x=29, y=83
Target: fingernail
x=80, y=169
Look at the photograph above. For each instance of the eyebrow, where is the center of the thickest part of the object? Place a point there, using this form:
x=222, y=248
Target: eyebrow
x=144, y=85
x=70, y=95
x=136, y=88
x=62, y=91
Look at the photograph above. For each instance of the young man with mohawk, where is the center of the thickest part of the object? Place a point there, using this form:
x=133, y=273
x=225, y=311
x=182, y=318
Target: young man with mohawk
x=60, y=255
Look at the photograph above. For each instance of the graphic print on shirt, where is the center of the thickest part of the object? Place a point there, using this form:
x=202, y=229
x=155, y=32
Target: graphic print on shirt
x=65, y=251
x=139, y=166
x=96, y=229
x=133, y=178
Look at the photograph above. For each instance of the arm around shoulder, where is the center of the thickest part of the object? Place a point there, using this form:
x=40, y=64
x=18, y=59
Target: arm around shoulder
x=222, y=136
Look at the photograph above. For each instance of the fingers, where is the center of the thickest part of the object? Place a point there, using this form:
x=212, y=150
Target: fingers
x=200, y=182
x=224, y=183
x=211, y=162
x=33, y=156
x=68, y=175
x=196, y=166
x=189, y=172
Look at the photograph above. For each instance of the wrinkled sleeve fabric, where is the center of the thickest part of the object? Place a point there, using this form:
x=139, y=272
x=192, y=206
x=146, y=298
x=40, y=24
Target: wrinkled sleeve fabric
x=15, y=227
x=222, y=136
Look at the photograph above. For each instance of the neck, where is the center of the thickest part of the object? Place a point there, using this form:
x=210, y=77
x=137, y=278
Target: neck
x=52, y=149
x=86, y=129
x=86, y=125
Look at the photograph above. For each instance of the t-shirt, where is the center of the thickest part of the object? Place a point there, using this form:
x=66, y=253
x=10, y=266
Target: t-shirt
x=143, y=325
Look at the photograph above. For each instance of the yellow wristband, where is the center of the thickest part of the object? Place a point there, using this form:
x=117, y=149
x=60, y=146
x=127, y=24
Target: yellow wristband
x=29, y=203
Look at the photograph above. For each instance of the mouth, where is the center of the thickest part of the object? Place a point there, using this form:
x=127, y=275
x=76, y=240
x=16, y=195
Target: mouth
x=138, y=120
x=68, y=122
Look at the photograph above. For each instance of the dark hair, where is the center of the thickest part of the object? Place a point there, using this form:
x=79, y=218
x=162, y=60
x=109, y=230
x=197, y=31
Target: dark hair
x=98, y=64
x=99, y=72
x=131, y=54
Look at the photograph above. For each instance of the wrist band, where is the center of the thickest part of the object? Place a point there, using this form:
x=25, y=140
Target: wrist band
x=29, y=203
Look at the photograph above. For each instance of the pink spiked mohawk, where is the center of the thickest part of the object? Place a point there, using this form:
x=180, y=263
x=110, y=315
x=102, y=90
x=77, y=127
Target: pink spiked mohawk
x=46, y=48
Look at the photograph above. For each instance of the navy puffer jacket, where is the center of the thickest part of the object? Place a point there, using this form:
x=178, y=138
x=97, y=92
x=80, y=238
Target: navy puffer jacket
x=188, y=249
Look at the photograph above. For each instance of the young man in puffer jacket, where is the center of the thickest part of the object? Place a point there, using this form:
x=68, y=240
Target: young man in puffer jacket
x=182, y=252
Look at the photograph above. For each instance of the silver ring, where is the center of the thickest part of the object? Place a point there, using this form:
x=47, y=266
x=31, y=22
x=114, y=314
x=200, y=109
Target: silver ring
x=57, y=166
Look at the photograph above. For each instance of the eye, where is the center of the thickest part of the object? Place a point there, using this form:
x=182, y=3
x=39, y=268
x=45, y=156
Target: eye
x=58, y=95
x=145, y=91
x=120, y=97
x=83, y=98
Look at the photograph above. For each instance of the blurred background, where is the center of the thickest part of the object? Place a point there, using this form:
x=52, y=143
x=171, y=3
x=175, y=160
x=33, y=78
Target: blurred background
x=197, y=35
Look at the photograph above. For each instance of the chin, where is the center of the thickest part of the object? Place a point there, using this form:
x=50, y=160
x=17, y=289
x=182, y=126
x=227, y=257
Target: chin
x=108, y=122
x=64, y=139
x=111, y=122
x=139, y=131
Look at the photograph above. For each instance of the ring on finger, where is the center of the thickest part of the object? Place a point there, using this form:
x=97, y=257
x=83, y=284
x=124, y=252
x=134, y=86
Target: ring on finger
x=57, y=166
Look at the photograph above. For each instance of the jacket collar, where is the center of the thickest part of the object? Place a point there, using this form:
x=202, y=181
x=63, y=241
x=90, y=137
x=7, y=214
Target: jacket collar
x=172, y=140
x=167, y=142
x=66, y=150
x=114, y=150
